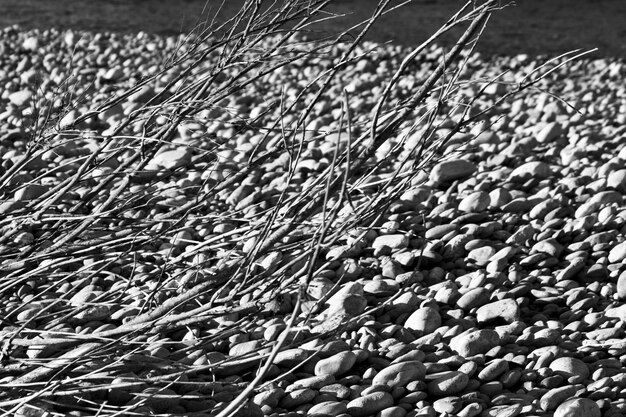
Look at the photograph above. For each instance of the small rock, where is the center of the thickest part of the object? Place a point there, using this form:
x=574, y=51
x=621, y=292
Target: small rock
x=30, y=192
x=291, y=357
x=555, y=397
x=475, y=202
x=394, y=242
x=400, y=374
x=449, y=405
x=172, y=159
x=503, y=411
x=505, y=309
x=482, y=255
x=617, y=180
x=451, y=383
x=549, y=132
x=621, y=286
x=475, y=297
x=448, y=171
x=470, y=410
x=493, y=370
x=617, y=254
x=297, y=397
x=474, y=342
x=328, y=408
x=534, y=169
x=395, y=411
x=348, y=300
x=548, y=246
x=21, y=98
x=270, y=397
x=578, y=407
x=425, y=319
x=337, y=364
x=370, y=404
x=574, y=369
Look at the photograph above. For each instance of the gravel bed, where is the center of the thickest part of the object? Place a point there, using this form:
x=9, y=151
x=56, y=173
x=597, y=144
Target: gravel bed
x=492, y=284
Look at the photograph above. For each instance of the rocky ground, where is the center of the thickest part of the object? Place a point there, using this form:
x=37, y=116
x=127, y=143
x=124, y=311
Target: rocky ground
x=492, y=284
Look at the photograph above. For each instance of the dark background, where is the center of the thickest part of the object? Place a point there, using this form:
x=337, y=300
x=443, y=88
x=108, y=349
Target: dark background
x=532, y=26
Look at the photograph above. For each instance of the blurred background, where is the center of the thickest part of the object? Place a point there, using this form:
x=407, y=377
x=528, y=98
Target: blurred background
x=524, y=26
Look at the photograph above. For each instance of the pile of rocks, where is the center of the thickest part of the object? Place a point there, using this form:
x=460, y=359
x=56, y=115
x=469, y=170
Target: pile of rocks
x=494, y=285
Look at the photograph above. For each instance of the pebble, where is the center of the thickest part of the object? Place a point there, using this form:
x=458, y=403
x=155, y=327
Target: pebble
x=572, y=368
x=172, y=159
x=556, y=396
x=328, y=408
x=617, y=253
x=493, y=370
x=449, y=405
x=30, y=192
x=474, y=342
x=338, y=364
x=578, y=407
x=425, y=319
x=535, y=169
x=349, y=300
x=475, y=202
x=448, y=171
x=297, y=397
x=451, y=383
x=503, y=411
x=549, y=132
x=370, y=404
x=506, y=310
x=475, y=297
x=400, y=374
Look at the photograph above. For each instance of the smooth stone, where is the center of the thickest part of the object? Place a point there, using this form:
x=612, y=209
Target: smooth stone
x=549, y=132
x=437, y=232
x=534, y=169
x=20, y=98
x=499, y=197
x=337, y=364
x=270, y=397
x=172, y=159
x=474, y=342
x=30, y=192
x=297, y=397
x=425, y=319
x=621, y=286
x=400, y=374
x=556, y=396
x=506, y=309
x=503, y=411
x=349, y=300
x=578, y=407
x=475, y=297
x=449, y=405
x=481, y=255
x=394, y=242
x=452, y=383
x=312, y=382
x=451, y=170
x=395, y=411
x=493, y=370
x=571, y=368
x=475, y=202
x=291, y=357
x=328, y=409
x=549, y=246
x=617, y=253
x=617, y=180
x=470, y=410
x=370, y=404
